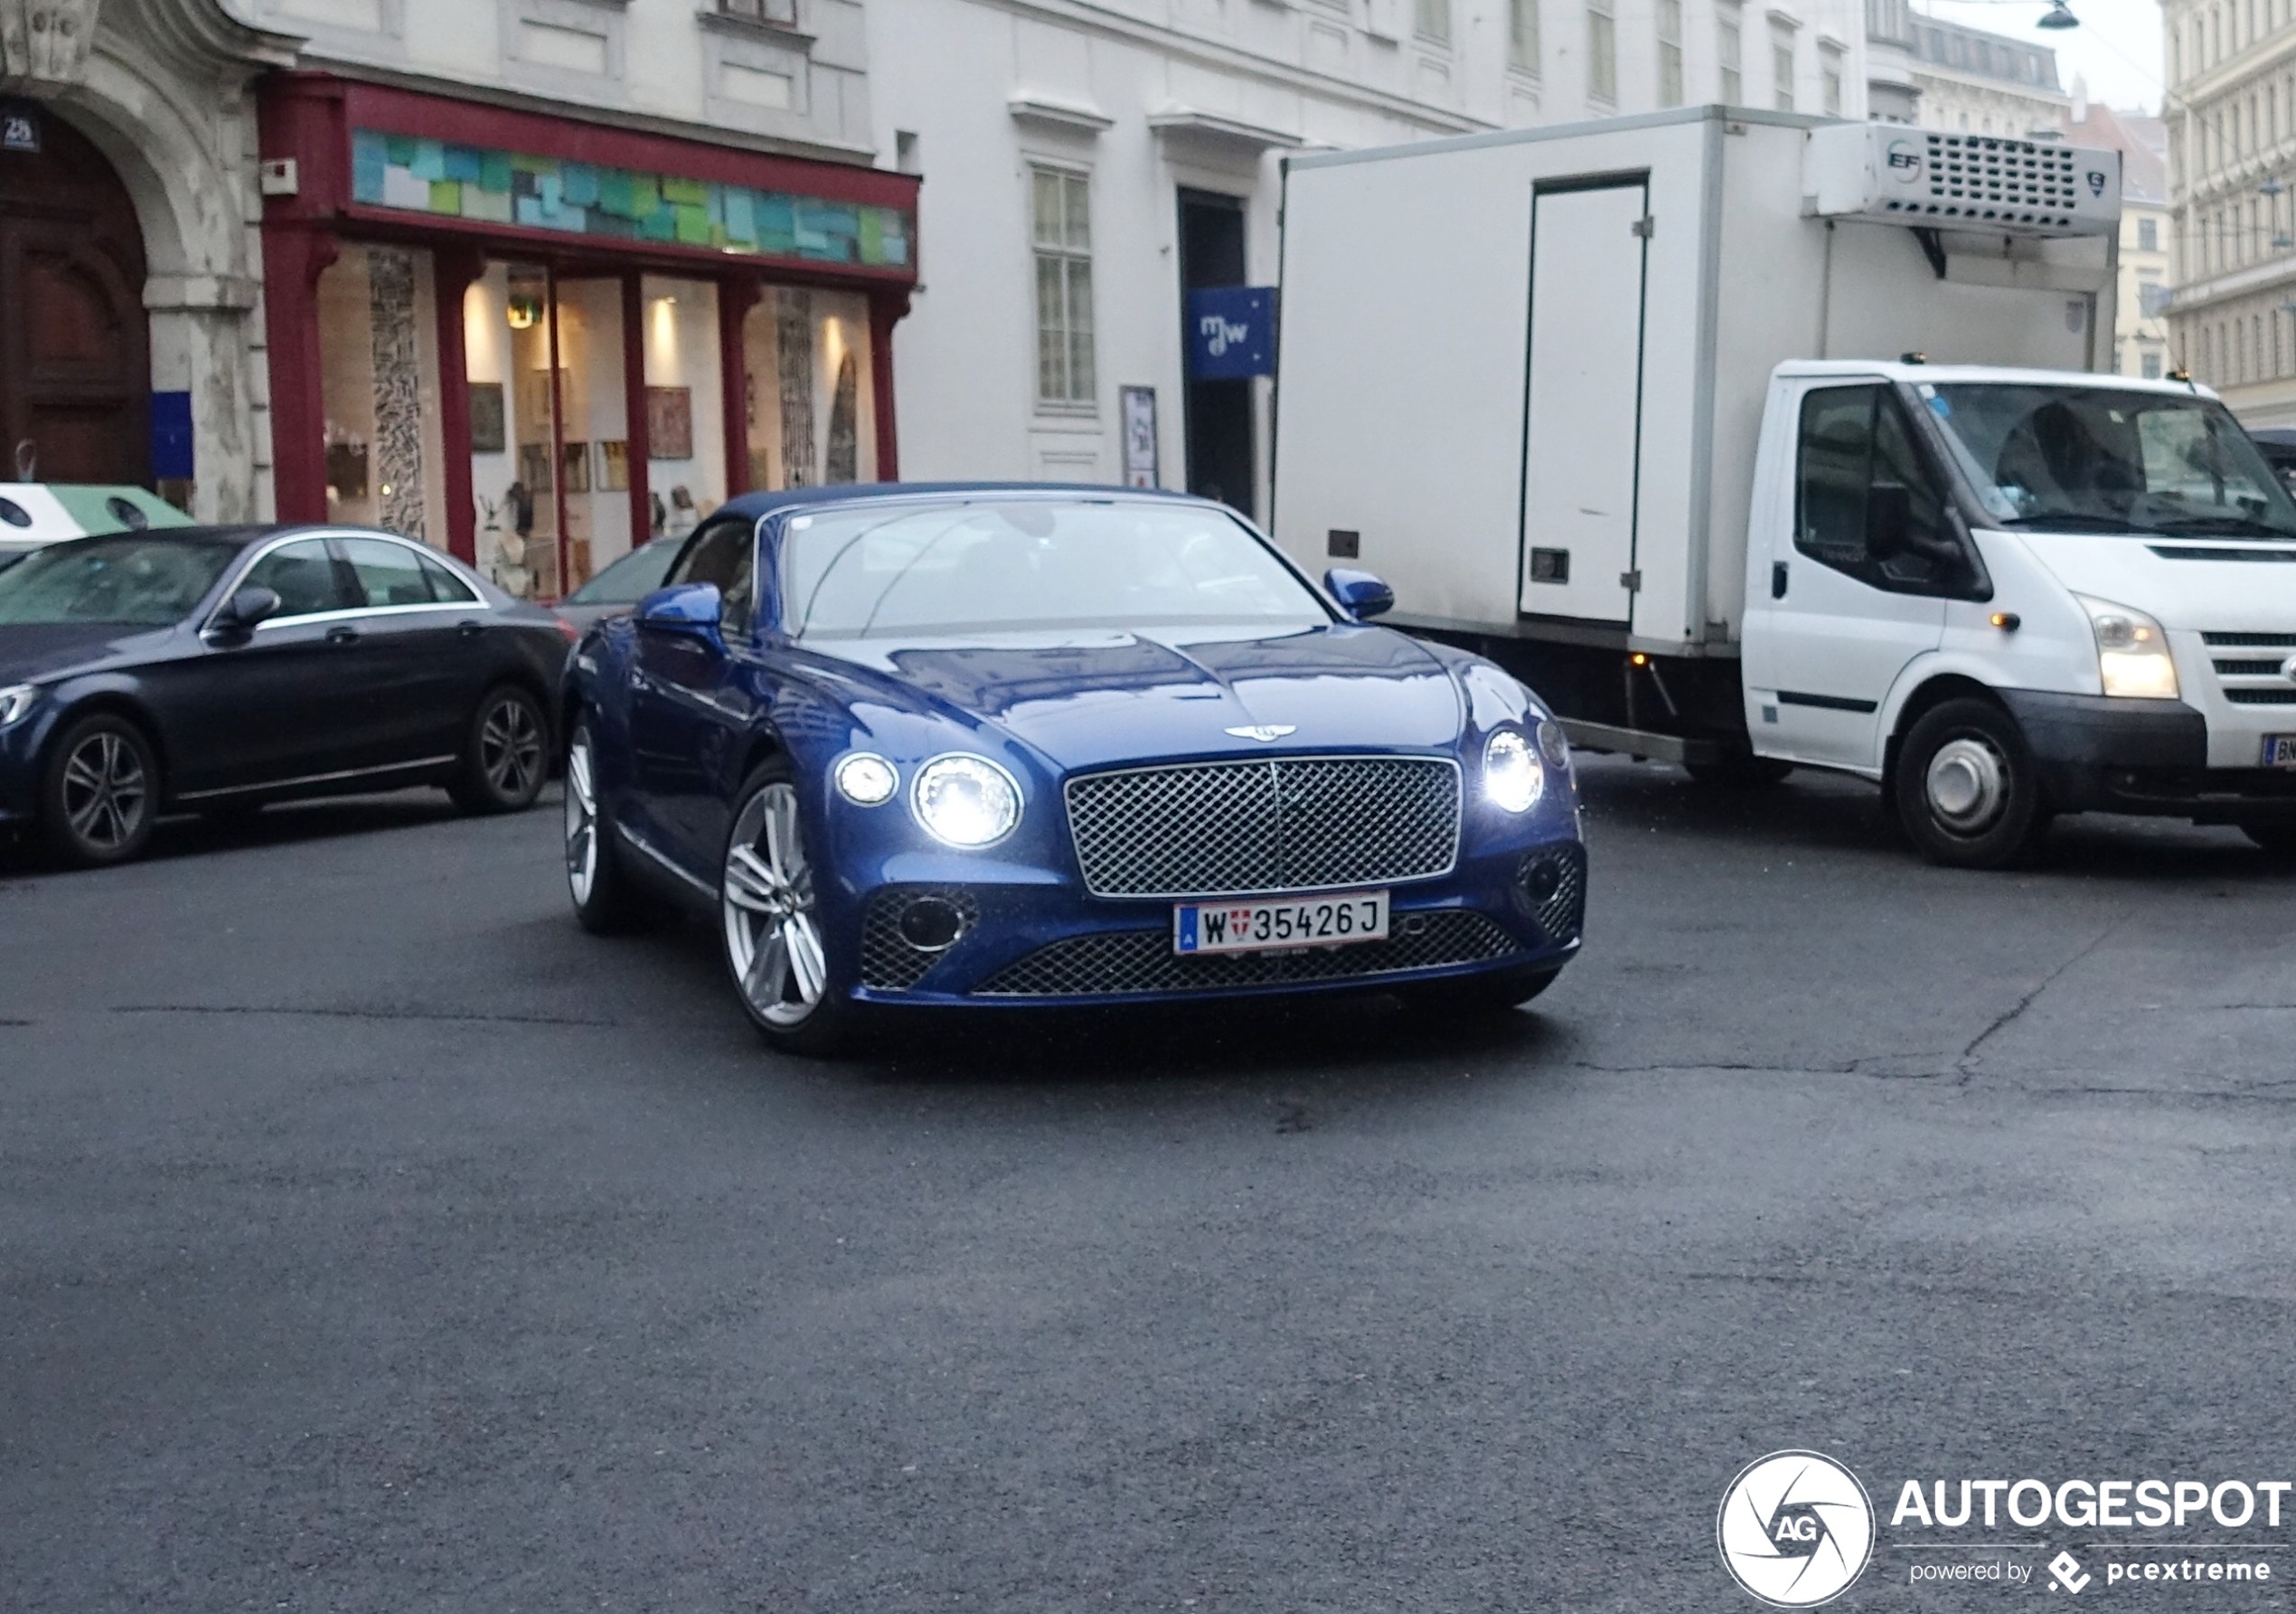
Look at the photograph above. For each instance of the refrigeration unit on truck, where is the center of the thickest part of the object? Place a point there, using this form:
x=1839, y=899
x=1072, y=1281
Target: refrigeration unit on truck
x=1751, y=441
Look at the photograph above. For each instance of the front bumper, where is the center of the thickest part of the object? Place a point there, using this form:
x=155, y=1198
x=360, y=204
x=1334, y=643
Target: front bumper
x=1048, y=945
x=2100, y=753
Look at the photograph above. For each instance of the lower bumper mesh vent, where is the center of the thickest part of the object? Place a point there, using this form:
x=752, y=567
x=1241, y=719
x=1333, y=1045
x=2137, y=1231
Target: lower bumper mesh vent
x=1143, y=960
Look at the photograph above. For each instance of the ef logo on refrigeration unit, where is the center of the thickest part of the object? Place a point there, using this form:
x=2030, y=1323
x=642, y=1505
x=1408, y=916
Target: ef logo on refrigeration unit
x=1903, y=159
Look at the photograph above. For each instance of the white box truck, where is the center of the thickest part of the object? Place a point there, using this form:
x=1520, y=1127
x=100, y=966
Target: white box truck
x=1751, y=441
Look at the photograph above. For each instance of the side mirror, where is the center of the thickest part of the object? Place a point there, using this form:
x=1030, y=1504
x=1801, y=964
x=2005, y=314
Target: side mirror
x=242, y=612
x=1361, y=595
x=1889, y=520
x=696, y=609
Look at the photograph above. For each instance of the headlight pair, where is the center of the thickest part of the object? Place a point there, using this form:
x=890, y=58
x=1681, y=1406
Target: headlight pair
x=1515, y=765
x=16, y=701
x=960, y=799
x=2132, y=652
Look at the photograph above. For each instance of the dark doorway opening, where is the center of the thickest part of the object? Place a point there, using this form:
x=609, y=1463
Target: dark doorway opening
x=1216, y=414
x=75, y=345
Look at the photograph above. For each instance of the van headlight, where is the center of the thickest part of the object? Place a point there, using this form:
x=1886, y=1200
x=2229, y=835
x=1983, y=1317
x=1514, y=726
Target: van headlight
x=1513, y=777
x=2132, y=652
x=16, y=701
x=965, y=801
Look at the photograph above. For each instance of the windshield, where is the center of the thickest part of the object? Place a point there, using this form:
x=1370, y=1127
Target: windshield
x=2110, y=459
x=1032, y=565
x=128, y=581
x=630, y=578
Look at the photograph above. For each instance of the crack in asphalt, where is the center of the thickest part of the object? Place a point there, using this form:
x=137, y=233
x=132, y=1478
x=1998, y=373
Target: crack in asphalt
x=2047, y=981
x=452, y=1015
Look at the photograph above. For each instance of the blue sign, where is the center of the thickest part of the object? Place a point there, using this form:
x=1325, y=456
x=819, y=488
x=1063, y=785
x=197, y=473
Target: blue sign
x=172, y=437
x=1232, y=332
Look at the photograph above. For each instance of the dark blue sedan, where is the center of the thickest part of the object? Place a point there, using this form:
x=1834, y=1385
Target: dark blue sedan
x=1015, y=745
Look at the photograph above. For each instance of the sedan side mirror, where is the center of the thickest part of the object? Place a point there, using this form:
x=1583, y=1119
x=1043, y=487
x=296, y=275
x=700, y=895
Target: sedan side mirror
x=697, y=608
x=1360, y=594
x=240, y=613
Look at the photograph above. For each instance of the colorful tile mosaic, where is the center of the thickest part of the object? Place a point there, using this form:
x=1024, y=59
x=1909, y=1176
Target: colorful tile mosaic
x=416, y=174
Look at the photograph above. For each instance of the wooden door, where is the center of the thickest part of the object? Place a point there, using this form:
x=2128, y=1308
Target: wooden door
x=75, y=352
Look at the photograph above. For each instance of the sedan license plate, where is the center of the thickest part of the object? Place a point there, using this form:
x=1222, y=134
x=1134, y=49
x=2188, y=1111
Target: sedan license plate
x=1328, y=921
x=2280, y=750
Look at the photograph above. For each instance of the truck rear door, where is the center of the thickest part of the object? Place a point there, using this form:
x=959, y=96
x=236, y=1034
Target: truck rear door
x=1582, y=400
x=1849, y=597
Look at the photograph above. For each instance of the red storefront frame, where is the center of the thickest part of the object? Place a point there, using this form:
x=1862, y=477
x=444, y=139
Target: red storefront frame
x=306, y=118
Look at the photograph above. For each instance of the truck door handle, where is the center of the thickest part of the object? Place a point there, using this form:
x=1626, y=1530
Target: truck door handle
x=342, y=633
x=1777, y=580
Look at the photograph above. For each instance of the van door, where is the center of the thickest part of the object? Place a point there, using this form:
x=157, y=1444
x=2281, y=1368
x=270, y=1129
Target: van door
x=1583, y=401
x=1857, y=578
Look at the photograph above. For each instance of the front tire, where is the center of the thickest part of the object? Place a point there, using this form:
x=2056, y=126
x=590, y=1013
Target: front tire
x=101, y=794
x=1966, y=788
x=607, y=901
x=769, y=923
x=501, y=765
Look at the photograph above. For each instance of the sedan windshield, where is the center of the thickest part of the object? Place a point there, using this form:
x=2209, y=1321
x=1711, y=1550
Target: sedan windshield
x=132, y=580
x=1031, y=564
x=2110, y=459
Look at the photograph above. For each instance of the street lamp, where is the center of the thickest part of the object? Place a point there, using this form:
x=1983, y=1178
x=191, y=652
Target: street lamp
x=2060, y=16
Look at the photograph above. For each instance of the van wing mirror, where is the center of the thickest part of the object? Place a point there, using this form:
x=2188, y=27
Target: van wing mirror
x=1889, y=520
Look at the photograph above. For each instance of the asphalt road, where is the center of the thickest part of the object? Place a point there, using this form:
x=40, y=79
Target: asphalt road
x=371, y=1238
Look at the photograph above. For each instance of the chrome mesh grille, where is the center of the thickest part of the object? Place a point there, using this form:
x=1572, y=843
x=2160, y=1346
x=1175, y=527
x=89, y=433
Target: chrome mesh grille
x=1223, y=829
x=1125, y=961
x=1562, y=911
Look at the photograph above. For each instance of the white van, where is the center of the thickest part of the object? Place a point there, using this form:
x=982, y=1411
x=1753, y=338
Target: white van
x=1754, y=442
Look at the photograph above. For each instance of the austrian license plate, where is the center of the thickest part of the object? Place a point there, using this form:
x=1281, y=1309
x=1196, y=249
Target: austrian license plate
x=1328, y=921
x=2280, y=750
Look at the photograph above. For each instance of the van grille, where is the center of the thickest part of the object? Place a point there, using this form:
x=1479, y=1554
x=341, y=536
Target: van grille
x=2253, y=679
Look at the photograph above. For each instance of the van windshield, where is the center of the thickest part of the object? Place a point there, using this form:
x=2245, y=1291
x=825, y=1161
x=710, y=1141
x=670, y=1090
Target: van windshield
x=2110, y=459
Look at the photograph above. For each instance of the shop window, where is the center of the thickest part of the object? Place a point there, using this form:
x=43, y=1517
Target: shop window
x=811, y=406
x=379, y=384
x=684, y=402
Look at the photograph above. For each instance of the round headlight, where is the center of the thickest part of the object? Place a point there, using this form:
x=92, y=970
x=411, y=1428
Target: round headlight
x=1553, y=743
x=866, y=780
x=965, y=801
x=1513, y=777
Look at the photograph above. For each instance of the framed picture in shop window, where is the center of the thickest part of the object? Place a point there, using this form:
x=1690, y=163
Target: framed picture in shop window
x=487, y=435
x=614, y=467
x=535, y=466
x=669, y=422
x=578, y=467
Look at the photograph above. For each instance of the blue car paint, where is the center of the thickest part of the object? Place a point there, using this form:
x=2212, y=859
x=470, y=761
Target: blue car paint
x=670, y=758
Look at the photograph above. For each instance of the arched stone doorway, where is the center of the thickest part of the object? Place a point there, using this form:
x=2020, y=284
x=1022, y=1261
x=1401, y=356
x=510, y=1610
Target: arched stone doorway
x=75, y=347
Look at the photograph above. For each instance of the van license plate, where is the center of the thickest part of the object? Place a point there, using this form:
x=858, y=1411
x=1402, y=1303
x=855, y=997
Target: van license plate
x=1328, y=921
x=2280, y=750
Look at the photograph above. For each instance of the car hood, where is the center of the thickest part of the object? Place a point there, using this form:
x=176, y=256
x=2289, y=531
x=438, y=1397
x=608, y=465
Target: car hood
x=2202, y=584
x=1087, y=698
x=50, y=651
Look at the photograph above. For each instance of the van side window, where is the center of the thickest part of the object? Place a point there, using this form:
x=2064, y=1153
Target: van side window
x=1864, y=502
x=724, y=553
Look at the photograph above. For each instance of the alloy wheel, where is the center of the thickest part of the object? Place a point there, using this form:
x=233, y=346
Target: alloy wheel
x=581, y=820
x=105, y=791
x=772, y=938
x=510, y=749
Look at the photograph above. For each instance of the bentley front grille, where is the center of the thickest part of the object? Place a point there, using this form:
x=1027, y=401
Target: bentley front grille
x=1225, y=829
x=1128, y=962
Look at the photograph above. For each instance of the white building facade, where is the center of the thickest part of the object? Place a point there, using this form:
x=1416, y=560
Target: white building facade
x=1087, y=168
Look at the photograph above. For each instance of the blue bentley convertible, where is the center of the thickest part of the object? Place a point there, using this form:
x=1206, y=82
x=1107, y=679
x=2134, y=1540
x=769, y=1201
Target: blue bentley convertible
x=1012, y=745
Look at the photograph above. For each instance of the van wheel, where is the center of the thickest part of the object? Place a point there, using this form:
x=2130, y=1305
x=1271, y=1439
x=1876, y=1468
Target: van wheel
x=1967, y=791
x=1741, y=771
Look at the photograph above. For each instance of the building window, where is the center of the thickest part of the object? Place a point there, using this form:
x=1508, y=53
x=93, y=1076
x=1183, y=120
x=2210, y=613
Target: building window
x=1727, y=47
x=1522, y=35
x=1669, y=53
x=1431, y=20
x=1064, y=286
x=780, y=13
x=1830, y=80
x=2149, y=366
x=2148, y=235
x=1602, y=51
x=1781, y=68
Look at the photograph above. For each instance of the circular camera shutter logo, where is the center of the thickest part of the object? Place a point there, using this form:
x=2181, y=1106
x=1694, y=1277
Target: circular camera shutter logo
x=1795, y=1529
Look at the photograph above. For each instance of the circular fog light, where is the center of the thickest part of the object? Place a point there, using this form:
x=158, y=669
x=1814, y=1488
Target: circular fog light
x=866, y=779
x=931, y=924
x=1553, y=743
